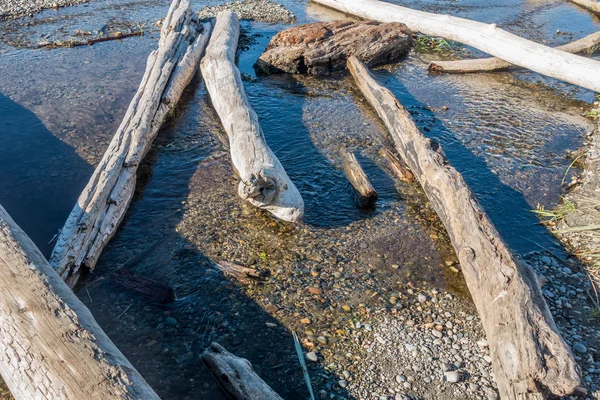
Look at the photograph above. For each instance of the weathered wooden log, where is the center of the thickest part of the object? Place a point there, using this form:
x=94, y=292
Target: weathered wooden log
x=397, y=165
x=236, y=376
x=365, y=193
x=50, y=345
x=495, y=64
x=490, y=39
x=529, y=357
x=324, y=47
x=242, y=274
x=104, y=201
x=264, y=183
x=591, y=5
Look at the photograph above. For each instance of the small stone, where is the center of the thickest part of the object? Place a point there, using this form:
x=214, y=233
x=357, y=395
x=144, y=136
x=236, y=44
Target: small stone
x=315, y=291
x=322, y=340
x=580, y=348
x=343, y=383
x=452, y=376
x=437, y=334
x=395, y=266
x=270, y=325
x=312, y=356
x=407, y=385
x=400, y=379
x=346, y=308
x=170, y=321
x=422, y=298
x=305, y=321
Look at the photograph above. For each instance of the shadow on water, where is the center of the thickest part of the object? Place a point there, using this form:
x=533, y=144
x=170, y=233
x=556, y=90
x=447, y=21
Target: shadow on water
x=165, y=342
x=40, y=176
x=506, y=207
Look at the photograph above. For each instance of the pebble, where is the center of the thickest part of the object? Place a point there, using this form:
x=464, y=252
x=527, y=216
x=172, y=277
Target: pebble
x=312, y=356
x=452, y=376
x=580, y=348
x=170, y=321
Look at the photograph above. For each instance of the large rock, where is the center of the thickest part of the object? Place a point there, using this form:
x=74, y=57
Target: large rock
x=324, y=47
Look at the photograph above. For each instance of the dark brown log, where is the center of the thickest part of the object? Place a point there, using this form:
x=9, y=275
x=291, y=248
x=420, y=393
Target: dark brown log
x=529, y=356
x=323, y=47
x=365, y=193
x=236, y=376
x=397, y=165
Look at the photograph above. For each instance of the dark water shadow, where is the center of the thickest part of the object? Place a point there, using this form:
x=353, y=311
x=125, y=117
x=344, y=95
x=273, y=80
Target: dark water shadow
x=506, y=207
x=164, y=342
x=40, y=176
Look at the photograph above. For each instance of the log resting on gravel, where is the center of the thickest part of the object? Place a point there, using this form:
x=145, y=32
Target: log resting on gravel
x=104, y=201
x=529, y=357
x=365, y=193
x=324, y=47
x=263, y=181
x=491, y=64
x=236, y=376
x=488, y=38
x=50, y=345
x=591, y=5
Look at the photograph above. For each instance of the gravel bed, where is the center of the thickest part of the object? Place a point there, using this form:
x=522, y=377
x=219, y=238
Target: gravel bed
x=253, y=10
x=19, y=8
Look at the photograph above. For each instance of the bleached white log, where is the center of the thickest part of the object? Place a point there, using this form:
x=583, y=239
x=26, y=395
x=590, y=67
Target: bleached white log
x=529, y=357
x=591, y=5
x=491, y=64
x=236, y=376
x=264, y=183
x=104, y=201
x=488, y=38
x=50, y=345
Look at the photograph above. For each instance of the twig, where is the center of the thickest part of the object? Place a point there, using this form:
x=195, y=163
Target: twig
x=76, y=43
x=303, y=366
x=89, y=295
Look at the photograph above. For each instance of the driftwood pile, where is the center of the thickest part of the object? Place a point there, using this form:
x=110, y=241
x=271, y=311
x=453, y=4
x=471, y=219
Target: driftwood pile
x=44, y=327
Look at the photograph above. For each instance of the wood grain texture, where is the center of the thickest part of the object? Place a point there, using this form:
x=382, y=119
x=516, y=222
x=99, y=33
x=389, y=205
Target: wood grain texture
x=236, y=376
x=488, y=38
x=263, y=180
x=104, y=201
x=492, y=64
x=50, y=345
x=365, y=193
x=529, y=357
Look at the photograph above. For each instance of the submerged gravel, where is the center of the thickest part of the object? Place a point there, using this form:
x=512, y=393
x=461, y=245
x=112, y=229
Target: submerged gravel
x=253, y=10
x=20, y=8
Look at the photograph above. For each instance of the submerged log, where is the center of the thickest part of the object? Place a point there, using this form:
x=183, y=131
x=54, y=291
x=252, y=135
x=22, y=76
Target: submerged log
x=150, y=289
x=323, y=47
x=491, y=64
x=490, y=39
x=50, y=345
x=104, y=201
x=236, y=376
x=365, y=193
x=591, y=5
x=529, y=357
x=242, y=274
x=264, y=183
x=397, y=165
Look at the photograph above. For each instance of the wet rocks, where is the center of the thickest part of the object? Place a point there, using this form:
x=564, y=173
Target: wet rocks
x=18, y=8
x=323, y=47
x=253, y=10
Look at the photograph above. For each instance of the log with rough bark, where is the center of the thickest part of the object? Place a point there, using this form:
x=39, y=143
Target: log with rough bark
x=236, y=376
x=491, y=64
x=104, y=201
x=50, y=345
x=263, y=181
x=529, y=357
x=397, y=165
x=591, y=5
x=365, y=193
x=488, y=38
x=324, y=47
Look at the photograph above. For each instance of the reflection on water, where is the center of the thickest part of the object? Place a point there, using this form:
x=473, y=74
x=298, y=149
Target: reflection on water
x=61, y=107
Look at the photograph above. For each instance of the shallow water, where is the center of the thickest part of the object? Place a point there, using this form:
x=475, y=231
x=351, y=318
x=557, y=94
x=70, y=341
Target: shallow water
x=61, y=107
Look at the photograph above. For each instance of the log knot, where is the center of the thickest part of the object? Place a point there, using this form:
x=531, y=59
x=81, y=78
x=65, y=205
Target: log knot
x=258, y=187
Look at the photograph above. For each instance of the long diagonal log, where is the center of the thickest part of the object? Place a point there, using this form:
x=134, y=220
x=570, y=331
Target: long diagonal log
x=104, y=201
x=236, y=376
x=490, y=39
x=50, y=345
x=263, y=181
x=529, y=357
x=491, y=64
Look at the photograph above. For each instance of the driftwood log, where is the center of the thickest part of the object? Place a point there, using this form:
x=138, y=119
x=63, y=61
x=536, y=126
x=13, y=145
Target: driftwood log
x=50, y=345
x=397, y=165
x=591, y=5
x=263, y=181
x=529, y=357
x=242, y=274
x=365, y=193
x=104, y=201
x=324, y=47
x=488, y=38
x=236, y=376
x=491, y=64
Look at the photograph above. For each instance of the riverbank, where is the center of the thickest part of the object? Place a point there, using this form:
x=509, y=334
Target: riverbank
x=10, y=9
